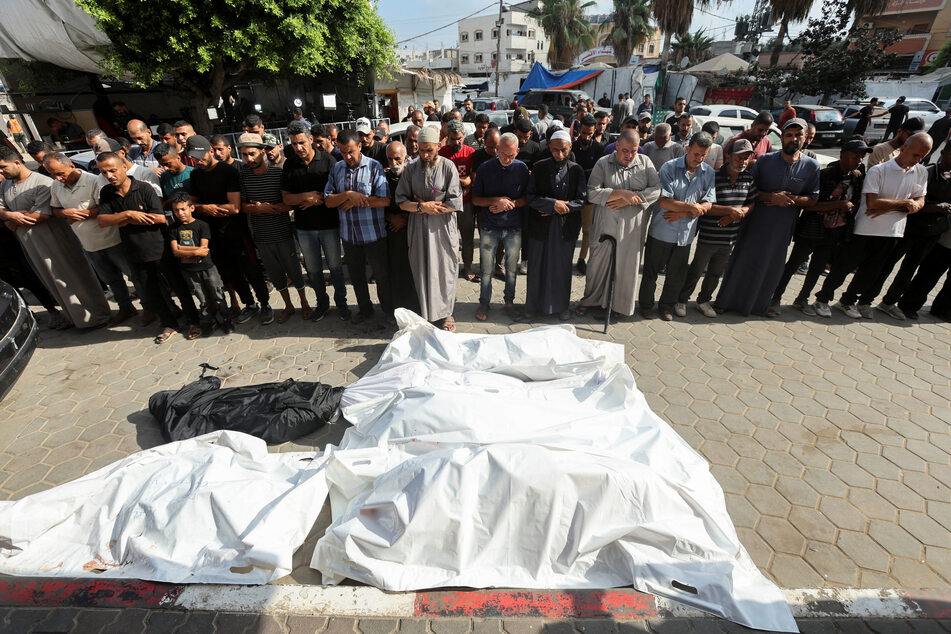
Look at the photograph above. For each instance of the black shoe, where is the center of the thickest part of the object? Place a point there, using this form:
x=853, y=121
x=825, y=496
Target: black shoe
x=227, y=327
x=319, y=313
x=910, y=314
x=247, y=313
x=343, y=312
x=208, y=328
x=646, y=313
x=581, y=266
x=267, y=315
x=389, y=321
x=361, y=317
x=803, y=269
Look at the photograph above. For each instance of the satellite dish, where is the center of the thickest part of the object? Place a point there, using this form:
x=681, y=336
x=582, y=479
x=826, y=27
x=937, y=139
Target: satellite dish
x=684, y=62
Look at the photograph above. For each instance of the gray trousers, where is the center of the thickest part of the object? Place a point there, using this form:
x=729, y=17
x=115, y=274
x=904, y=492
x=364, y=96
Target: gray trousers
x=208, y=288
x=713, y=258
x=281, y=263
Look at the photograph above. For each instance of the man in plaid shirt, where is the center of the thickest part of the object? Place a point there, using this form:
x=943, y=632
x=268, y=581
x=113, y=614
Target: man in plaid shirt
x=357, y=188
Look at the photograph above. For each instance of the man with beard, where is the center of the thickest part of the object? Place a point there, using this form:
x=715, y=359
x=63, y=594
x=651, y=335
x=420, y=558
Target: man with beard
x=470, y=114
x=397, y=245
x=684, y=130
x=136, y=209
x=587, y=151
x=601, y=121
x=216, y=191
x=303, y=180
x=756, y=135
x=687, y=191
x=718, y=227
x=141, y=152
x=273, y=150
x=680, y=107
x=270, y=223
x=357, y=188
x=623, y=185
x=488, y=152
x=53, y=251
x=787, y=182
x=645, y=127
x=477, y=139
x=221, y=148
x=822, y=230
x=556, y=194
x=461, y=156
x=430, y=191
x=369, y=146
x=183, y=130
x=892, y=191
x=499, y=194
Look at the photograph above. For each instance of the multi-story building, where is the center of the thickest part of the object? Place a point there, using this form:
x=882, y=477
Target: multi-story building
x=925, y=26
x=440, y=58
x=523, y=42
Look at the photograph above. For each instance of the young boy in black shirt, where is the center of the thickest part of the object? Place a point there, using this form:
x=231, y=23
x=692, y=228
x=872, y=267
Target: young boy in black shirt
x=189, y=241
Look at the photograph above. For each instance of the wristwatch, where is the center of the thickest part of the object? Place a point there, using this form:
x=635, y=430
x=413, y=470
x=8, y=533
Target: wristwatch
x=419, y=208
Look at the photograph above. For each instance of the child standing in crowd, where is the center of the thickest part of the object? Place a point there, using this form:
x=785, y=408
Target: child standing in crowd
x=190, y=245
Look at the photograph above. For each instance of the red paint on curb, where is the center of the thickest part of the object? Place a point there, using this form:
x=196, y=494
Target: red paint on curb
x=622, y=604
x=100, y=593
x=930, y=604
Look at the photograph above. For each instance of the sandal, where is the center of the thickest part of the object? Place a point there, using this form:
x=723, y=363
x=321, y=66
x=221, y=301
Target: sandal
x=164, y=336
x=65, y=325
x=482, y=313
x=285, y=314
x=581, y=311
x=449, y=324
x=514, y=313
x=194, y=332
x=306, y=312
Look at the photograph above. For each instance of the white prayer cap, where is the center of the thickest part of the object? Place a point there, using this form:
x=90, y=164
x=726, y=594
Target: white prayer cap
x=561, y=135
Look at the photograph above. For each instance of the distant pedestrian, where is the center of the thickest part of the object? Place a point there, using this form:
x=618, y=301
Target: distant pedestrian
x=899, y=112
x=788, y=113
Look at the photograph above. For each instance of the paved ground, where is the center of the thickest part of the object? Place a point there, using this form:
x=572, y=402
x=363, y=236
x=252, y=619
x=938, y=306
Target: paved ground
x=831, y=438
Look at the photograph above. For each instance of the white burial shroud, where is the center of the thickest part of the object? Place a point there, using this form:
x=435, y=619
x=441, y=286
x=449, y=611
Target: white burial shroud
x=528, y=460
x=213, y=509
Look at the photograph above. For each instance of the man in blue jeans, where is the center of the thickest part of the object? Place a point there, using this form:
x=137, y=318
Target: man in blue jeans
x=303, y=179
x=499, y=195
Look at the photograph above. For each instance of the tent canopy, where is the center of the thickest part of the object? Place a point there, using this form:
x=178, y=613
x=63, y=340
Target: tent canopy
x=53, y=31
x=727, y=62
x=541, y=77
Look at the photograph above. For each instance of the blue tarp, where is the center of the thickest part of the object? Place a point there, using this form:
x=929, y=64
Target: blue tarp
x=541, y=77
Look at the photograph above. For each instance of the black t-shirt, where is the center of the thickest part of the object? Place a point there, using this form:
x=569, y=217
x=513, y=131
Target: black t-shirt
x=377, y=152
x=297, y=178
x=392, y=181
x=528, y=152
x=899, y=110
x=587, y=158
x=433, y=117
x=211, y=188
x=479, y=157
x=190, y=235
x=145, y=243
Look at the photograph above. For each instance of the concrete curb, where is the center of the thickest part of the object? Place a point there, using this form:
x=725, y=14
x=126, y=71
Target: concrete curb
x=366, y=602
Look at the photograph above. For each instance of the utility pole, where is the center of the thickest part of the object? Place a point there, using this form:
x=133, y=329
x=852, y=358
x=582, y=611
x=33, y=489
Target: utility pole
x=498, y=49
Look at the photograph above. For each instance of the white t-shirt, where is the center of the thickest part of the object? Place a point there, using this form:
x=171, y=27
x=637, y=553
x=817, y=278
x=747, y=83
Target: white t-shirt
x=890, y=180
x=139, y=173
x=714, y=156
x=84, y=194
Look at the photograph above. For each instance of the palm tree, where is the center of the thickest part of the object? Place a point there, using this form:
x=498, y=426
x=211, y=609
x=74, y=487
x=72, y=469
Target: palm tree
x=787, y=11
x=629, y=28
x=568, y=29
x=673, y=17
x=695, y=46
x=865, y=8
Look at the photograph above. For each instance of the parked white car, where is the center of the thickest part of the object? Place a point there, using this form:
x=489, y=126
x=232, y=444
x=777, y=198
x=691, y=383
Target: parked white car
x=725, y=110
x=730, y=127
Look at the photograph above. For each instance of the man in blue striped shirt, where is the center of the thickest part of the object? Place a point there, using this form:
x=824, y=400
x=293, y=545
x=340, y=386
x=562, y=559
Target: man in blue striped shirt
x=357, y=188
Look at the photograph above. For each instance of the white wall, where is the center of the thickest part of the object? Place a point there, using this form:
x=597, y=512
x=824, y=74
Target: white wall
x=530, y=48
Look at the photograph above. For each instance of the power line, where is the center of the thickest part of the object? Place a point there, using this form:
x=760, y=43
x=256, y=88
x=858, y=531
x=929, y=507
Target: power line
x=410, y=39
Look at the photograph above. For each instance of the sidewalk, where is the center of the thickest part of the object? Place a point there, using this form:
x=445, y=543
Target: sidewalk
x=830, y=438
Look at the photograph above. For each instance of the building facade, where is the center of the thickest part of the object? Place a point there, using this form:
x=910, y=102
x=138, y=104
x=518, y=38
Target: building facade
x=523, y=42
x=438, y=58
x=925, y=26
x=603, y=52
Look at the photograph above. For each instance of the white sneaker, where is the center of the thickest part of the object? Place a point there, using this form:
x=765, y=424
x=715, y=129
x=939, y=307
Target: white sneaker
x=892, y=310
x=804, y=306
x=680, y=309
x=707, y=310
x=865, y=310
x=822, y=309
x=849, y=310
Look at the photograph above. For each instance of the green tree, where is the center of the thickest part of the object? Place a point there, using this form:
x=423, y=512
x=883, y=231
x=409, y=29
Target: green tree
x=629, y=28
x=786, y=11
x=695, y=46
x=567, y=27
x=673, y=17
x=208, y=47
x=838, y=59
